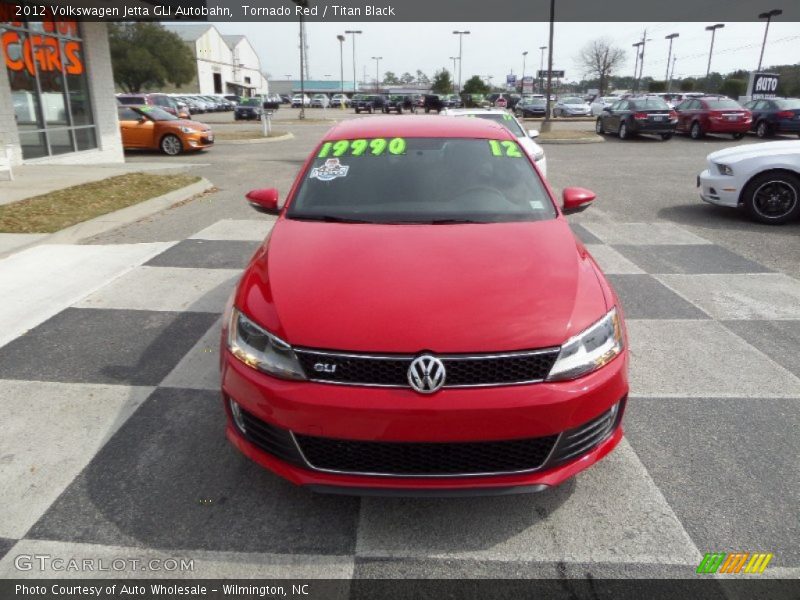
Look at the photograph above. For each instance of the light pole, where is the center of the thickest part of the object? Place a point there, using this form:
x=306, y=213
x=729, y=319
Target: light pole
x=768, y=16
x=713, y=30
x=550, y=65
x=669, y=37
x=340, y=37
x=353, y=32
x=645, y=39
x=637, y=45
x=541, y=68
x=460, y=35
x=524, y=57
x=377, y=60
x=454, y=59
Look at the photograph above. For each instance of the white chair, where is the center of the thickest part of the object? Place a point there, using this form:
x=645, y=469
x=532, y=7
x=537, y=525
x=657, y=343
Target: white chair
x=5, y=162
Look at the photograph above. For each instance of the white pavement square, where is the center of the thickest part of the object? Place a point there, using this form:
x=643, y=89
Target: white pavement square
x=630, y=522
x=611, y=261
x=39, y=457
x=166, y=289
x=701, y=359
x=729, y=297
x=246, y=230
x=39, y=282
x=642, y=233
x=199, y=369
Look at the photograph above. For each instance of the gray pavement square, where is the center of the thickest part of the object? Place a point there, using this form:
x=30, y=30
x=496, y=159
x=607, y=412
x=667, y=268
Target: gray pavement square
x=5, y=545
x=727, y=467
x=207, y=254
x=643, y=297
x=780, y=340
x=84, y=345
x=169, y=478
x=584, y=235
x=689, y=259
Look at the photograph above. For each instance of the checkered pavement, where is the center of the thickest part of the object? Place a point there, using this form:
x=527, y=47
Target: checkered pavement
x=113, y=442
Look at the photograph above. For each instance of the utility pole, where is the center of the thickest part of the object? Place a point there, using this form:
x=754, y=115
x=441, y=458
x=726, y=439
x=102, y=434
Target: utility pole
x=645, y=39
x=669, y=37
x=454, y=59
x=353, y=33
x=768, y=16
x=637, y=45
x=522, y=83
x=550, y=64
x=460, y=35
x=340, y=37
x=541, y=67
x=713, y=30
x=377, y=60
x=672, y=73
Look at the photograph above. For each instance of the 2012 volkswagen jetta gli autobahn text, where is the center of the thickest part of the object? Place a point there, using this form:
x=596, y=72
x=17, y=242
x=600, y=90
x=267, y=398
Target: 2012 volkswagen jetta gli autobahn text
x=422, y=320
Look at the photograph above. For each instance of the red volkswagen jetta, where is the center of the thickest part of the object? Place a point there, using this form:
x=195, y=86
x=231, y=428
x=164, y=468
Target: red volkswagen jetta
x=422, y=320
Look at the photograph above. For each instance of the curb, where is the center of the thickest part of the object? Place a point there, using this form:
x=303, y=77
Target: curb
x=266, y=140
x=586, y=140
x=124, y=216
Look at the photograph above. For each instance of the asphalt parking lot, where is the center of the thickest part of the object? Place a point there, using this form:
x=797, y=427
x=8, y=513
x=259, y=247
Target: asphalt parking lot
x=709, y=462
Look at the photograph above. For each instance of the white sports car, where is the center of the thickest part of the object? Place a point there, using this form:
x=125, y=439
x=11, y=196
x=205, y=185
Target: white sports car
x=763, y=178
x=525, y=138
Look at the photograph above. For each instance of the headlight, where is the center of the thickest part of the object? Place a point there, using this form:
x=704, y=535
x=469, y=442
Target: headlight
x=724, y=170
x=187, y=130
x=590, y=349
x=261, y=350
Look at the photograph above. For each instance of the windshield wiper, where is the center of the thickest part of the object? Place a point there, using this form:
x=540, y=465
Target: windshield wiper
x=328, y=219
x=451, y=221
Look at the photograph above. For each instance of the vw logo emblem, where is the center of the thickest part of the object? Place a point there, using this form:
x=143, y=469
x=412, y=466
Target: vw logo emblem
x=426, y=374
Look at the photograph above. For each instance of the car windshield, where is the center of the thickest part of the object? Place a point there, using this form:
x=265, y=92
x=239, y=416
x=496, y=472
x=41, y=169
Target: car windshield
x=504, y=119
x=722, y=103
x=421, y=180
x=788, y=103
x=572, y=101
x=251, y=102
x=536, y=102
x=649, y=103
x=156, y=114
x=130, y=99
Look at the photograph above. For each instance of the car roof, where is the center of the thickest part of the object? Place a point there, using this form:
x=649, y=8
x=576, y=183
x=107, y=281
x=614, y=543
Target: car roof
x=418, y=126
x=476, y=111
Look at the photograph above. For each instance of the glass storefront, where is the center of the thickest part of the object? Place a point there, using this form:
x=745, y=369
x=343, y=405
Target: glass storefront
x=46, y=69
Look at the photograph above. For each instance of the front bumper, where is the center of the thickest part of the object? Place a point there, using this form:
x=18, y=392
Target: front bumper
x=718, y=189
x=347, y=414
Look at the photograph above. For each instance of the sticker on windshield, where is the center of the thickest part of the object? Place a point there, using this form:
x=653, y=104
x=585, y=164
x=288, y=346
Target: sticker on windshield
x=505, y=148
x=331, y=170
x=373, y=147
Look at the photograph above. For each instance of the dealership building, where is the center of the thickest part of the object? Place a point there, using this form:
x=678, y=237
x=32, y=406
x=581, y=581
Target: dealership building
x=57, y=102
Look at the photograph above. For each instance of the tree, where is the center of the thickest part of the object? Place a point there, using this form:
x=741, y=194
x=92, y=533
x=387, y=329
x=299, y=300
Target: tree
x=422, y=78
x=389, y=78
x=442, y=84
x=406, y=78
x=657, y=86
x=733, y=87
x=600, y=59
x=145, y=55
x=475, y=85
x=687, y=85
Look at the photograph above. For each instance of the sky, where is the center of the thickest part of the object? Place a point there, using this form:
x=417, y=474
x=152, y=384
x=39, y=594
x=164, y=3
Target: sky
x=496, y=48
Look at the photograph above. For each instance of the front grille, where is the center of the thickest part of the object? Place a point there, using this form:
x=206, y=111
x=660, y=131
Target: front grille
x=271, y=439
x=425, y=458
x=462, y=371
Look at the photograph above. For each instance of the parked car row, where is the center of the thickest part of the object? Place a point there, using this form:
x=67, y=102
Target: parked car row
x=699, y=116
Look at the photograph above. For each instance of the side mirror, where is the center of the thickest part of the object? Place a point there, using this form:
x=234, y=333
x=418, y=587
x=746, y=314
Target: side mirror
x=533, y=133
x=264, y=200
x=576, y=199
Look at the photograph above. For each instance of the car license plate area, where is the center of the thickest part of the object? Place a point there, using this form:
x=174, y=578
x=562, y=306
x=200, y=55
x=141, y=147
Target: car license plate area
x=731, y=117
x=658, y=117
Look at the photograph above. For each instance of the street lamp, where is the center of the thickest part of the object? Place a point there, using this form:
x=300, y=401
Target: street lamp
x=768, y=16
x=454, y=59
x=340, y=37
x=550, y=64
x=524, y=56
x=353, y=32
x=377, y=60
x=541, y=68
x=713, y=30
x=637, y=45
x=645, y=39
x=302, y=4
x=669, y=37
x=460, y=35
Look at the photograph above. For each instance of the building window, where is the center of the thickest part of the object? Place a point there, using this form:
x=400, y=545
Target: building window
x=247, y=80
x=46, y=70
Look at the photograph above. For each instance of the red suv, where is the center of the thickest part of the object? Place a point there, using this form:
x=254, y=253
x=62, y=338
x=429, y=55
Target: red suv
x=394, y=335
x=713, y=114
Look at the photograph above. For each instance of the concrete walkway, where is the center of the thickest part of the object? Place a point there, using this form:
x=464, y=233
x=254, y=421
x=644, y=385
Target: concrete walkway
x=33, y=180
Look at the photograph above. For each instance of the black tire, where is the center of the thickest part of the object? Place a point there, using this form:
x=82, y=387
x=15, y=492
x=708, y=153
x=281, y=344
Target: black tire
x=737, y=136
x=763, y=130
x=696, y=131
x=773, y=197
x=171, y=145
x=358, y=112
x=666, y=136
x=598, y=127
x=371, y=110
x=427, y=110
x=623, y=133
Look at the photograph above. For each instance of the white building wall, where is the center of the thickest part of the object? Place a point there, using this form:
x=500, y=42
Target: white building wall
x=101, y=88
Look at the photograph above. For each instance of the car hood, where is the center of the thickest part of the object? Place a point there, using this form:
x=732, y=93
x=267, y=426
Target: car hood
x=748, y=151
x=408, y=288
x=187, y=123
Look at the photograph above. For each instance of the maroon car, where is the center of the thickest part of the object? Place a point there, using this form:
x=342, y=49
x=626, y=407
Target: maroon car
x=713, y=114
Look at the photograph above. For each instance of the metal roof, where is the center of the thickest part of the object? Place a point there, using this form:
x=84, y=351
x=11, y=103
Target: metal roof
x=188, y=33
